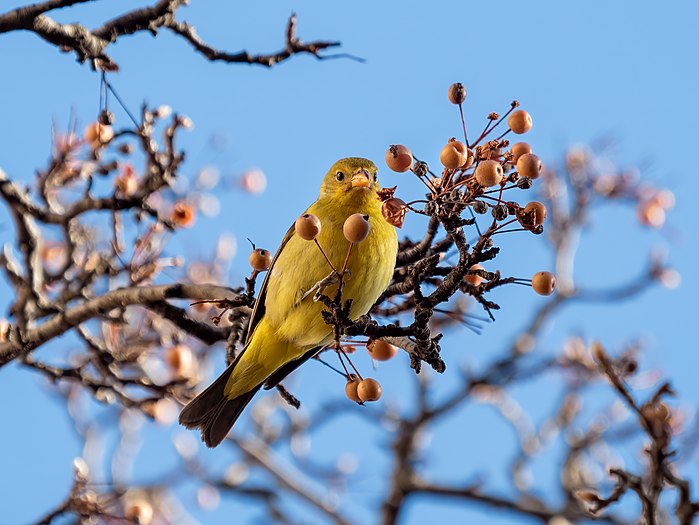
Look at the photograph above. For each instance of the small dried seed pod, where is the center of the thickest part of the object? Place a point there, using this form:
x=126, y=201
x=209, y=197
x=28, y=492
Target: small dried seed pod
x=499, y=212
x=529, y=166
x=524, y=183
x=520, y=121
x=489, y=173
x=260, y=259
x=457, y=93
x=420, y=168
x=381, y=350
x=538, y=230
x=453, y=155
x=399, y=158
x=351, y=389
x=369, y=389
x=544, y=283
x=519, y=149
x=480, y=207
x=307, y=226
x=473, y=278
x=356, y=227
x=106, y=117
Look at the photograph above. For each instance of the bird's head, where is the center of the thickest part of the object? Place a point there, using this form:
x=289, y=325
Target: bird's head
x=351, y=178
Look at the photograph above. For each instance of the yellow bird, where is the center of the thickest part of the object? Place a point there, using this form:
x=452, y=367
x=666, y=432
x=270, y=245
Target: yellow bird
x=286, y=327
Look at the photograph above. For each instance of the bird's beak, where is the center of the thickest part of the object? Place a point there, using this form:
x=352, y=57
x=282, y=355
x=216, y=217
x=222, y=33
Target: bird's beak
x=361, y=179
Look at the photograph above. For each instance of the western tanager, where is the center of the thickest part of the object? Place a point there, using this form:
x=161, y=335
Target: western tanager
x=286, y=326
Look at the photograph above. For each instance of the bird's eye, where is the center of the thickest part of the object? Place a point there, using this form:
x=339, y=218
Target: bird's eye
x=375, y=177
x=340, y=176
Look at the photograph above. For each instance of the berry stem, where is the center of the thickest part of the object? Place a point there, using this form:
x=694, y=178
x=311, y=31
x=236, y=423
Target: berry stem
x=324, y=254
x=463, y=123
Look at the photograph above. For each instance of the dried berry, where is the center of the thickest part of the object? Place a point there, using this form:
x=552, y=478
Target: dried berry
x=420, y=168
x=470, y=157
x=520, y=121
x=260, y=259
x=394, y=210
x=532, y=215
x=106, y=117
x=499, y=212
x=381, y=350
x=454, y=154
x=529, y=166
x=480, y=207
x=399, y=158
x=356, y=227
x=307, y=226
x=489, y=173
x=524, y=183
x=369, y=389
x=457, y=93
x=544, y=283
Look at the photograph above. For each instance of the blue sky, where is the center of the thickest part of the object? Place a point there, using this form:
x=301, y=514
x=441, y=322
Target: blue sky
x=584, y=70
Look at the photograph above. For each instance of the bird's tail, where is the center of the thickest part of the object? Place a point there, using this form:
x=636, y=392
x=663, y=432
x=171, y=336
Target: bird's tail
x=212, y=412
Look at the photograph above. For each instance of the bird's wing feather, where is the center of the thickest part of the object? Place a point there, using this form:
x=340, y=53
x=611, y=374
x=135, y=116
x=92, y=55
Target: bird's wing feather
x=258, y=310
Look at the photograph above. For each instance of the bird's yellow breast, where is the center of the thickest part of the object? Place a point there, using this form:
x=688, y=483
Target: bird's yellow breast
x=301, y=265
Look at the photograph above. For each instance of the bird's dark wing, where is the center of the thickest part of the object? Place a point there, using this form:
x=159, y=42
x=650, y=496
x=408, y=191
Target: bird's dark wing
x=259, y=309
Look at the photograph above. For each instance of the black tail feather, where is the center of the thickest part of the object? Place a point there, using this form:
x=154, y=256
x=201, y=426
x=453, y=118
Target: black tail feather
x=212, y=412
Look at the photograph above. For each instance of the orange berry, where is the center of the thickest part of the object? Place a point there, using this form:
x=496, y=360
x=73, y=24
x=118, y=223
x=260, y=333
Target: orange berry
x=399, y=158
x=489, y=173
x=307, y=226
x=457, y=93
x=518, y=149
x=351, y=389
x=97, y=134
x=520, y=121
x=356, y=227
x=369, y=390
x=454, y=154
x=183, y=214
x=651, y=214
x=544, y=283
x=181, y=360
x=529, y=165
x=473, y=278
x=260, y=259
x=381, y=350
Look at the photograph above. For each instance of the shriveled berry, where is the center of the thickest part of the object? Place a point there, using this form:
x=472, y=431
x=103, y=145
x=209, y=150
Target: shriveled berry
x=420, y=168
x=307, y=226
x=480, y=207
x=457, y=93
x=260, y=259
x=532, y=215
x=489, y=173
x=394, y=210
x=351, y=389
x=106, y=117
x=473, y=278
x=399, y=158
x=499, y=212
x=529, y=165
x=356, y=227
x=518, y=149
x=544, y=283
x=381, y=350
x=520, y=121
x=369, y=389
x=524, y=183
x=453, y=155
